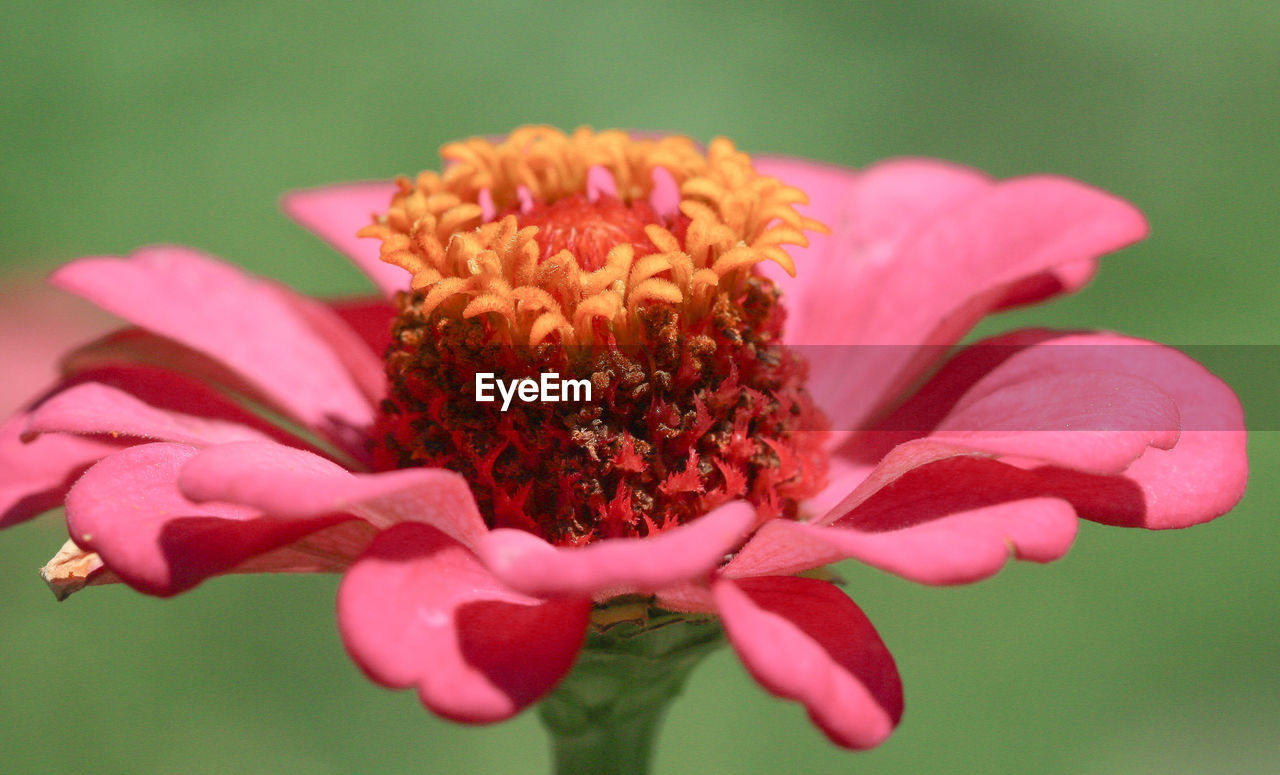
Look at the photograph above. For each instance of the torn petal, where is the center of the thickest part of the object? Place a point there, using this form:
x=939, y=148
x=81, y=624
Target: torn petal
x=72, y=569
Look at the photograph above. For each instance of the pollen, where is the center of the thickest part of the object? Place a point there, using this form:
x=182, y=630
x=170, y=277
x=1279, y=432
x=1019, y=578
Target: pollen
x=551, y=235
x=628, y=263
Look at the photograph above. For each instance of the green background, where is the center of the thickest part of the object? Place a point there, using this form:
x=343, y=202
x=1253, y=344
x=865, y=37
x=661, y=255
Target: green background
x=128, y=124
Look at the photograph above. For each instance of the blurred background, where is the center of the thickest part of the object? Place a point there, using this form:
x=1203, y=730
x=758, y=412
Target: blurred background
x=128, y=124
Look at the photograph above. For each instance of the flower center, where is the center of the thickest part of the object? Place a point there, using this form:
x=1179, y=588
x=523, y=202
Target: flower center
x=590, y=230
x=522, y=269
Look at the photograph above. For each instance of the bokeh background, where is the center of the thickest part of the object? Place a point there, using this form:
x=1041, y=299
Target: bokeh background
x=133, y=123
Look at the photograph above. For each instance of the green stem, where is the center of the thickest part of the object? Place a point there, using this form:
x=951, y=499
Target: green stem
x=604, y=717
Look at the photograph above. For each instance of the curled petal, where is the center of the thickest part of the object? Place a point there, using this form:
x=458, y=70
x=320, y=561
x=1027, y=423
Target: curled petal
x=128, y=509
x=172, y=392
x=94, y=408
x=1202, y=477
x=804, y=640
x=219, y=311
x=35, y=474
x=1098, y=422
x=418, y=609
x=929, y=274
x=869, y=213
x=1010, y=231
x=336, y=213
x=1107, y=474
x=616, y=565
x=937, y=538
x=287, y=482
x=922, y=457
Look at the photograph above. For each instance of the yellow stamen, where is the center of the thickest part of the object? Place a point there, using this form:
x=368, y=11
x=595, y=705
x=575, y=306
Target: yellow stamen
x=467, y=268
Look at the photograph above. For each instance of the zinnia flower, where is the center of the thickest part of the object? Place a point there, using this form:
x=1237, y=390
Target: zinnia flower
x=240, y=427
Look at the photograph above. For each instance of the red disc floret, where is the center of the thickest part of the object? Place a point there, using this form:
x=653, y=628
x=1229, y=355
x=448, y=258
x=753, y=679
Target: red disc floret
x=704, y=409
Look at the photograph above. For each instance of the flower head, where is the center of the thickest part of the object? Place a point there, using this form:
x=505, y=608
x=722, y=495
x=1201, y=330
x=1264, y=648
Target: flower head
x=554, y=254
x=240, y=427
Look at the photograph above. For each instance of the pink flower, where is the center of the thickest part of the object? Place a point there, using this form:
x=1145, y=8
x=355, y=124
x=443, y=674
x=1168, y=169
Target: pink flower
x=240, y=427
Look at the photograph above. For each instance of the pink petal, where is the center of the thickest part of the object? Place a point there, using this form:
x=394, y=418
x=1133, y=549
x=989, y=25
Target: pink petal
x=1008, y=396
x=94, y=408
x=127, y=508
x=1098, y=422
x=362, y=362
x=1086, y=450
x=35, y=475
x=932, y=281
x=1012, y=231
x=418, y=609
x=133, y=349
x=170, y=376
x=928, y=479
x=336, y=213
x=981, y=371
x=803, y=640
x=169, y=391
x=287, y=482
x=243, y=323
x=869, y=213
x=906, y=230
x=931, y=508
x=616, y=565
x=955, y=518
x=1201, y=477
x=940, y=537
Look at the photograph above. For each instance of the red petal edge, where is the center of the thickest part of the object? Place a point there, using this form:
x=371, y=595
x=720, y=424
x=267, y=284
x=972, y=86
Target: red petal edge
x=128, y=509
x=804, y=640
x=418, y=609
